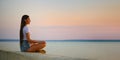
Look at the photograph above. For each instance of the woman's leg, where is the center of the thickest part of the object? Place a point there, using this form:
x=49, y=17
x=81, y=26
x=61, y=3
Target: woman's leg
x=36, y=47
x=41, y=42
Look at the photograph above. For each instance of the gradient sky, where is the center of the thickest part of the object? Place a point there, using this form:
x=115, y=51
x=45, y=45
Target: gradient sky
x=62, y=19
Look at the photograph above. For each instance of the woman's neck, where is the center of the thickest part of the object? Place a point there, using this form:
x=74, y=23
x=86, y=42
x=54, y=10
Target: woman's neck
x=26, y=24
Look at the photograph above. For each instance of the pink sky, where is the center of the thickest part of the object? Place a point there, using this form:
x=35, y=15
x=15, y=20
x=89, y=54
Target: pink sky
x=64, y=19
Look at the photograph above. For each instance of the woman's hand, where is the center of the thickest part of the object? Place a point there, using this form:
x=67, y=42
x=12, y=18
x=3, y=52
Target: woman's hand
x=41, y=42
x=33, y=41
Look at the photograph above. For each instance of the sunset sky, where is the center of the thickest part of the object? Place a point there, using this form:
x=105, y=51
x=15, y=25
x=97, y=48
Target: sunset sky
x=61, y=19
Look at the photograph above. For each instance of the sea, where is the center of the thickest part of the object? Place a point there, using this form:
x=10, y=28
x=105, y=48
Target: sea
x=88, y=49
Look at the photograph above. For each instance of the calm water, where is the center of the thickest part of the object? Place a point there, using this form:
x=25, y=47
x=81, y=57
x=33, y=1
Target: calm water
x=91, y=49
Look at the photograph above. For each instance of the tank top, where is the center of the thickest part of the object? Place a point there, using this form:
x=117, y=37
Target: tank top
x=25, y=30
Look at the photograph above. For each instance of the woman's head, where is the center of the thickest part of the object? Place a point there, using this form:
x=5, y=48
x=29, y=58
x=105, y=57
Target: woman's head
x=24, y=21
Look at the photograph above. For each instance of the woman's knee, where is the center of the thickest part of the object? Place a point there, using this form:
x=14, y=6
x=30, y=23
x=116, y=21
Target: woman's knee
x=43, y=45
x=42, y=42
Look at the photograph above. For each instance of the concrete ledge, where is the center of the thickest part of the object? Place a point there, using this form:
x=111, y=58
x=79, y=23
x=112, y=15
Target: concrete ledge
x=10, y=55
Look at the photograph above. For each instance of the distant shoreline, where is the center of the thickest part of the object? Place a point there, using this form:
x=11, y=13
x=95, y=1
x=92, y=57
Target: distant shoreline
x=16, y=40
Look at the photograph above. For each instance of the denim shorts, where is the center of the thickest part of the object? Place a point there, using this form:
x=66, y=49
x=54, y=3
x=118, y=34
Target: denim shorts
x=25, y=45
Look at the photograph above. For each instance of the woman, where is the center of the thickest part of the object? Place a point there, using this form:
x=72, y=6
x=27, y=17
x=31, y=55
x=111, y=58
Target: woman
x=26, y=43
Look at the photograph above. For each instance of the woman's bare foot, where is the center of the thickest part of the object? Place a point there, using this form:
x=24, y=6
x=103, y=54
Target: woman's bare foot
x=41, y=51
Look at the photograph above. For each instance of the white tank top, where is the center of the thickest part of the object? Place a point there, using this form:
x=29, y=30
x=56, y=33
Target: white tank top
x=25, y=30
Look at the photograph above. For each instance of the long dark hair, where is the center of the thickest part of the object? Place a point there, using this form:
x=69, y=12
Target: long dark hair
x=24, y=17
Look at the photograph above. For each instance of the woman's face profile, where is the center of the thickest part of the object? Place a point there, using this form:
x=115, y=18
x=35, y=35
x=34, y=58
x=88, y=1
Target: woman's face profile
x=27, y=20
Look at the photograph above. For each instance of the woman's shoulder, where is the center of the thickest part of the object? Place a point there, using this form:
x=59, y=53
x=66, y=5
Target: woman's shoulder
x=26, y=27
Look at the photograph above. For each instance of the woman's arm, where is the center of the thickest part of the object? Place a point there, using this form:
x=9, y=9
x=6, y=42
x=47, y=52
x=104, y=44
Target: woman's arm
x=33, y=41
x=29, y=39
